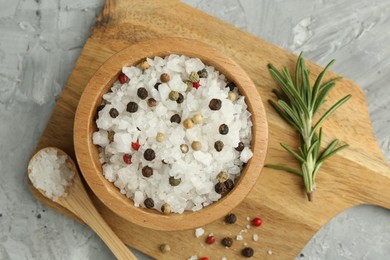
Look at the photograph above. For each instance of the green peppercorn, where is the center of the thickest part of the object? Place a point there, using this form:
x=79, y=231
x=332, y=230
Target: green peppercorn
x=114, y=112
x=184, y=148
x=173, y=95
x=222, y=176
x=175, y=118
x=223, y=129
x=132, y=107
x=166, y=208
x=247, y=252
x=218, y=145
x=240, y=146
x=149, y=203
x=174, y=182
x=147, y=171
x=165, y=248
x=110, y=136
x=215, y=104
x=144, y=65
x=203, y=73
x=142, y=93
x=227, y=241
x=193, y=77
x=149, y=154
x=190, y=86
x=230, y=218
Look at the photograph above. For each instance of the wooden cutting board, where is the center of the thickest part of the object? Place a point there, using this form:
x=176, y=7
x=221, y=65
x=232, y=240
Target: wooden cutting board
x=357, y=175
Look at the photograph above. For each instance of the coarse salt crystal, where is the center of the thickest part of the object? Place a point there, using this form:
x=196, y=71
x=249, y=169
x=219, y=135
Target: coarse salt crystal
x=269, y=251
x=255, y=237
x=199, y=232
x=239, y=237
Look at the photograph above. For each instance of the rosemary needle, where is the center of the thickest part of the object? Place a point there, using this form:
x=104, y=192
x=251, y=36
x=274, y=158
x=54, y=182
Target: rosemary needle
x=298, y=103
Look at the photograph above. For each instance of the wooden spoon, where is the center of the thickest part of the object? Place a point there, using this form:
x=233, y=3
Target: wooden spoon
x=78, y=202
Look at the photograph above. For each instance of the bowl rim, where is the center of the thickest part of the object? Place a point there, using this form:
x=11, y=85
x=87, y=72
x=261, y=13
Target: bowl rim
x=87, y=154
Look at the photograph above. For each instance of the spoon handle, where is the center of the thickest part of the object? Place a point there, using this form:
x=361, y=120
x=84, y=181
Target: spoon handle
x=81, y=205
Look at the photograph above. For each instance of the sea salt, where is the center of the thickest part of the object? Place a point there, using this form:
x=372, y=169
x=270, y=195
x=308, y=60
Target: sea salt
x=255, y=237
x=199, y=232
x=51, y=173
x=239, y=237
x=197, y=170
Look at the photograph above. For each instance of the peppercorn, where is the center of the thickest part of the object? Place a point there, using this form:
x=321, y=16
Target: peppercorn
x=147, y=171
x=203, y=73
x=132, y=107
x=164, y=78
x=152, y=102
x=218, y=145
x=165, y=248
x=229, y=184
x=184, y=148
x=222, y=176
x=240, y=146
x=196, y=145
x=173, y=95
x=232, y=96
x=230, y=218
x=180, y=99
x=220, y=188
x=135, y=145
x=110, y=135
x=189, y=85
x=149, y=154
x=173, y=181
x=204, y=258
x=127, y=158
x=188, y=123
x=193, y=77
x=257, y=222
x=223, y=129
x=156, y=85
x=160, y=137
x=166, y=208
x=145, y=65
x=215, y=104
x=114, y=112
x=123, y=78
x=230, y=85
x=175, y=118
x=142, y=93
x=210, y=239
x=98, y=109
x=197, y=119
x=247, y=252
x=196, y=85
x=227, y=241
x=149, y=203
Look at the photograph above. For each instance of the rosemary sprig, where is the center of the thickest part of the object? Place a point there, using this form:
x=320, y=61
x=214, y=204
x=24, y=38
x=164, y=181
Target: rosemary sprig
x=298, y=103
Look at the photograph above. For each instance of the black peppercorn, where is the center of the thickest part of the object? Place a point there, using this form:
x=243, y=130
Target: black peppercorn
x=247, y=252
x=149, y=154
x=218, y=145
x=173, y=181
x=223, y=129
x=180, y=99
x=98, y=109
x=113, y=112
x=215, y=104
x=142, y=93
x=132, y=107
x=156, y=85
x=203, y=73
x=230, y=218
x=220, y=188
x=152, y=102
x=149, y=203
x=227, y=241
x=229, y=184
x=147, y=171
x=240, y=146
x=175, y=118
x=230, y=85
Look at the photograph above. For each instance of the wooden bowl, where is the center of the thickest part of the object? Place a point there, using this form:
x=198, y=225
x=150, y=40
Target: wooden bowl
x=87, y=152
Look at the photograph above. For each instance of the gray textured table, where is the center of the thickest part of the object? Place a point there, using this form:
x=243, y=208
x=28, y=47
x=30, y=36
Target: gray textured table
x=40, y=41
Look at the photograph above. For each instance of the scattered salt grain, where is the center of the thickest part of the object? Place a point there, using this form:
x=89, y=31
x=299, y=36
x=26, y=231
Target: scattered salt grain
x=248, y=218
x=269, y=251
x=255, y=237
x=239, y=237
x=223, y=258
x=199, y=232
x=193, y=257
x=51, y=173
x=248, y=226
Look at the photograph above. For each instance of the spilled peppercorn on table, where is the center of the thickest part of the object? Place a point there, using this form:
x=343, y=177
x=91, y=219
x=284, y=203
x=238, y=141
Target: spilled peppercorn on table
x=357, y=175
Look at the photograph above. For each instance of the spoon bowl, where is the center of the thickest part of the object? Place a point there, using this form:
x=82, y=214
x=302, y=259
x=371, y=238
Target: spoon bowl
x=78, y=202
